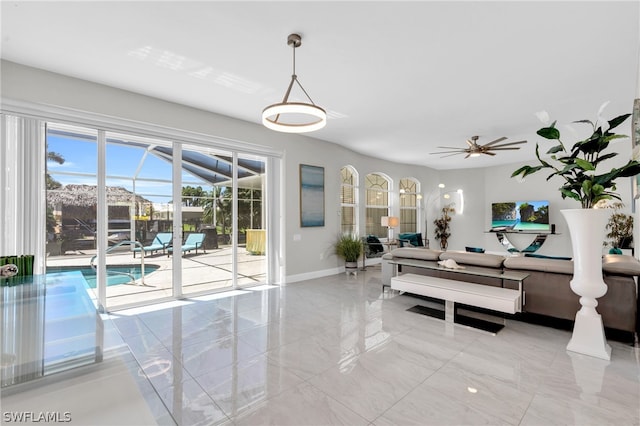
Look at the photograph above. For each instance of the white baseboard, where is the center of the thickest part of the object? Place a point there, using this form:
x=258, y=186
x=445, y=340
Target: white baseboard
x=311, y=275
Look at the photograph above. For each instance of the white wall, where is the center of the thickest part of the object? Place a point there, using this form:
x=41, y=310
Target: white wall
x=312, y=254
x=485, y=186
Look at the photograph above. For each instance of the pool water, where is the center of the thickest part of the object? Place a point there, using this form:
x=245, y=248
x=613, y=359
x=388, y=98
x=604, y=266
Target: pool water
x=112, y=279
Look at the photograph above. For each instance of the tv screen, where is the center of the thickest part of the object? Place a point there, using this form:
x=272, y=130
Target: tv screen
x=530, y=216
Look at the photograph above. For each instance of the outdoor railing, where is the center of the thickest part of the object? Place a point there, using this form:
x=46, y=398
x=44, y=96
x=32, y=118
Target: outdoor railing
x=122, y=243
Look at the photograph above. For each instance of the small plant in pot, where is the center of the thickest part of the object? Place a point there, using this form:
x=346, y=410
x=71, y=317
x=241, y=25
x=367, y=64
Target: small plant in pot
x=349, y=247
x=619, y=229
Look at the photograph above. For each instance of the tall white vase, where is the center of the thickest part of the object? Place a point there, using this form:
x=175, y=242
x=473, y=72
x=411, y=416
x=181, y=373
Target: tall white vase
x=587, y=228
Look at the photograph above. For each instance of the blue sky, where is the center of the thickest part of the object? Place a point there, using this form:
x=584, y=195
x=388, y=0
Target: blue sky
x=122, y=163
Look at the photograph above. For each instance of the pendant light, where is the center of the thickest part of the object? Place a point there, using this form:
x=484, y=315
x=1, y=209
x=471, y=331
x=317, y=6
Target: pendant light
x=294, y=117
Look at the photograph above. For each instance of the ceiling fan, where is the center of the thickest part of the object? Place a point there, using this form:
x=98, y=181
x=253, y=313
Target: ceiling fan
x=474, y=149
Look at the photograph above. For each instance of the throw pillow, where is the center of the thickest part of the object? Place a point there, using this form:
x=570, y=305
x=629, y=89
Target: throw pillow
x=413, y=238
x=375, y=246
x=474, y=249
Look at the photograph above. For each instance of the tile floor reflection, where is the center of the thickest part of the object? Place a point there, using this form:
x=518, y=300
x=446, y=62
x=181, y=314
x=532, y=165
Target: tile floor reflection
x=337, y=350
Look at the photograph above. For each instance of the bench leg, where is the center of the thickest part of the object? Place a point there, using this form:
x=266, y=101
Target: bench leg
x=449, y=311
x=481, y=324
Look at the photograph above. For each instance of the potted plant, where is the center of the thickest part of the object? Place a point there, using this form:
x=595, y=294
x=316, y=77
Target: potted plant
x=349, y=247
x=620, y=229
x=442, y=225
x=578, y=167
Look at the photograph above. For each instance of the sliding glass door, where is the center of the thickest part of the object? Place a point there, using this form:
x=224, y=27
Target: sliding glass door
x=206, y=220
x=164, y=238
x=140, y=219
x=215, y=218
x=71, y=212
x=252, y=218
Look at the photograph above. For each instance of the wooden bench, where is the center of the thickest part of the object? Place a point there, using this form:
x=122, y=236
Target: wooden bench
x=482, y=296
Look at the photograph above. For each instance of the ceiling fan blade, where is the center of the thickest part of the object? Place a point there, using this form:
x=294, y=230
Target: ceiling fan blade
x=504, y=149
x=451, y=147
x=470, y=143
x=495, y=141
x=448, y=152
x=508, y=144
x=451, y=155
x=488, y=153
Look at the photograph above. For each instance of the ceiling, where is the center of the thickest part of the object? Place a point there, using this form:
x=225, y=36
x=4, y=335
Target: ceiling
x=398, y=79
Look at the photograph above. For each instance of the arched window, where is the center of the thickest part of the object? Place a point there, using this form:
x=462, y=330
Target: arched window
x=349, y=200
x=409, y=205
x=377, y=203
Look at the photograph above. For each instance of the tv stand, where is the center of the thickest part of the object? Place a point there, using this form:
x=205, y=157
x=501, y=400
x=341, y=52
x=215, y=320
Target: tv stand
x=538, y=240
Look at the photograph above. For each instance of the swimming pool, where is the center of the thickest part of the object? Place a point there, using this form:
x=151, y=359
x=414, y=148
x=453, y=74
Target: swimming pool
x=114, y=273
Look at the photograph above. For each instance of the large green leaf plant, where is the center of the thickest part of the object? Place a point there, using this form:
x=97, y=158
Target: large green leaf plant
x=578, y=166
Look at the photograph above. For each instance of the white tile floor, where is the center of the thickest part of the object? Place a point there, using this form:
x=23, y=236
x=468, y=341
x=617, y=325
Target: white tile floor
x=337, y=350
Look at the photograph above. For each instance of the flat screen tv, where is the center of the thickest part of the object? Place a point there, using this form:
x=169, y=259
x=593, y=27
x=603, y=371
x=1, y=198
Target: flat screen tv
x=529, y=216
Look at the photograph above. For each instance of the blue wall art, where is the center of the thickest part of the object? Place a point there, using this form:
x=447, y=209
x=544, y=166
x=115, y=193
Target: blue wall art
x=311, y=195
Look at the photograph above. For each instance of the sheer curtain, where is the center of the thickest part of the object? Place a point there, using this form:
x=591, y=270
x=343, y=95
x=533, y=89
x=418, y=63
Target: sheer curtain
x=22, y=180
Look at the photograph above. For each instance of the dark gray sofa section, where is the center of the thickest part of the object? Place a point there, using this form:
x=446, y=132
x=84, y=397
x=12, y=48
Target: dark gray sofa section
x=547, y=289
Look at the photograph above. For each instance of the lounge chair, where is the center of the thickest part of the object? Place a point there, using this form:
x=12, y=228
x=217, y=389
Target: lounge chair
x=193, y=242
x=160, y=242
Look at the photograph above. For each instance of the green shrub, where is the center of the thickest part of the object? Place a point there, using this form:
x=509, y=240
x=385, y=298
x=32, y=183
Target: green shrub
x=349, y=247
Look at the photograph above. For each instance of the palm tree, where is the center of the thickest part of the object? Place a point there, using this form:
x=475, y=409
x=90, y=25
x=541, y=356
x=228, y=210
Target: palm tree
x=195, y=196
x=58, y=158
x=51, y=183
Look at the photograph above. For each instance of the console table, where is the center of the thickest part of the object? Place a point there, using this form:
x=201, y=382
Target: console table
x=538, y=239
x=478, y=271
x=452, y=291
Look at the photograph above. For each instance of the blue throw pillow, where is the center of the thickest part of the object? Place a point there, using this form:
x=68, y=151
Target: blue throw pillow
x=412, y=238
x=542, y=256
x=474, y=249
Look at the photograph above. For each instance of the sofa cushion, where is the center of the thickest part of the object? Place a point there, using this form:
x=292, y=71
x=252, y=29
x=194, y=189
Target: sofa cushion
x=416, y=253
x=477, y=259
x=539, y=264
x=620, y=264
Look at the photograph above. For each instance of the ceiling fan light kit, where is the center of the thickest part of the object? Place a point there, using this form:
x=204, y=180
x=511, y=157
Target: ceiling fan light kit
x=294, y=117
x=475, y=150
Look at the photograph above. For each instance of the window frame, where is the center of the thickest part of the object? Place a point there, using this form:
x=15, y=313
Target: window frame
x=372, y=222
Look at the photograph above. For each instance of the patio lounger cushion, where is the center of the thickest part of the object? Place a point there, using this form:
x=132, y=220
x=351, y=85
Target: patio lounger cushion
x=193, y=242
x=160, y=242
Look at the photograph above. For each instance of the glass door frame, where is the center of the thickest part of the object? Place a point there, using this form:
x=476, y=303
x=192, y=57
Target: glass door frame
x=274, y=157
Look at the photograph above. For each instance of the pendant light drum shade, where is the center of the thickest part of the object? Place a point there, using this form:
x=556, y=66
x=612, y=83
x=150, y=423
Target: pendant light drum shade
x=294, y=117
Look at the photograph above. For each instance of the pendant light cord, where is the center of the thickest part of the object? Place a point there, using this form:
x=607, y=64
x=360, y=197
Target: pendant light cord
x=294, y=77
x=294, y=60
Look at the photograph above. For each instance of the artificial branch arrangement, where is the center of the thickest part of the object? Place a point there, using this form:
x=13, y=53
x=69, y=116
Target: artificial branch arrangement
x=442, y=225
